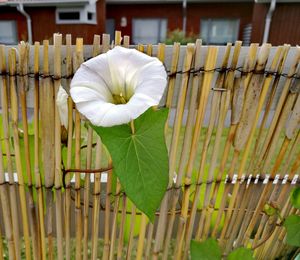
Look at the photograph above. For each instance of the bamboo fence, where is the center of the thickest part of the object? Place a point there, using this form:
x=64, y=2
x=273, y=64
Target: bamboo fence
x=233, y=139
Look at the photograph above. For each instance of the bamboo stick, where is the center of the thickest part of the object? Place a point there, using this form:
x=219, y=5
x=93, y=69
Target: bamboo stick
x=86, y=193
x=38, y=180
x=281, y=52
x=163, y=208
x=221, y=99
x=97, y=179
x=266, y=85
x=173, y=69
x=47, y=142
x=286, y=109
x=237, y=101
x=250, y=113
x=14, y=114
x=106, y=248
x=131, y=232
x=279, y=106
x=57, y=146
x=186, y=145
x=259, y=140
x=1, y=246
x=5, y=205
x=121, y=229
x=114, y=222
x=224, y=105
x=23, y=80
x=140, y=246
x=208, y=76
x=175, y=139
x=77, y=60
x=7, y=145
x=69, y=70
x=96, y=51
x=149, y=240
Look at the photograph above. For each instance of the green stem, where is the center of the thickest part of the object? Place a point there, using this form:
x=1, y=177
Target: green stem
x=132, y=127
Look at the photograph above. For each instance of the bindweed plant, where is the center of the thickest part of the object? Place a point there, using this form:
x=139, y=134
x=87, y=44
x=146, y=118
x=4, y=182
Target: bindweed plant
x=118, y=93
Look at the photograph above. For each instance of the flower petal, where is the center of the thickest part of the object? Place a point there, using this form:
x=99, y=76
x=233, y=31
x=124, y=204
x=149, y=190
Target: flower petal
x=101, y=113
x=123, y=72
x=89, y=91
x=62, y=106
x=125, y=65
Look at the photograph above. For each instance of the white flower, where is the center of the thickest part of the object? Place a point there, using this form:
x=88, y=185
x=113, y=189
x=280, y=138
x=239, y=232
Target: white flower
x=62, y=105
x=118, y=86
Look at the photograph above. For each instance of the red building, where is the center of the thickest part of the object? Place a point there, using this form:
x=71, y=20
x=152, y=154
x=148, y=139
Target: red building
x=216, y=22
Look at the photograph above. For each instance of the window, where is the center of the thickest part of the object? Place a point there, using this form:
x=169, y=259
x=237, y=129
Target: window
x=110, y=28
x=69, y=16
x=219, y=31
x=76, y=15
x=149, y=30
x=8, y=32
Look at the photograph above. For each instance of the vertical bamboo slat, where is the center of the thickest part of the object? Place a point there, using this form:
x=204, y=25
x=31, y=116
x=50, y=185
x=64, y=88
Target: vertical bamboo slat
x=14, y=118
x=38, y=179
x=69, y=70
x=106, y=247
x=77, y=60
x=97, y=176
x=206, y=85
x=23, y=86
x=6, y=136
x=6, y=198
x=57, y=146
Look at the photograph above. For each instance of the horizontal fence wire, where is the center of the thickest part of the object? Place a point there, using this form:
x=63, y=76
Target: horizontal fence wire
x=194, y=72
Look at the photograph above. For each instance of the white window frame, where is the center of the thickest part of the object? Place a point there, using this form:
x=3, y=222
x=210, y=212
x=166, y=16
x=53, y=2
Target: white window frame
x=83, y=14
x=15, y=41
x=237, y=20
x=150, y=18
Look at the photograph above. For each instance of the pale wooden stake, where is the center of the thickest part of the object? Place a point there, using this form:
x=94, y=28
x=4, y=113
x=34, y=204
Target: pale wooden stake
x=7, y=145
x=14, y=122
x=77, y=60
x=69, y=70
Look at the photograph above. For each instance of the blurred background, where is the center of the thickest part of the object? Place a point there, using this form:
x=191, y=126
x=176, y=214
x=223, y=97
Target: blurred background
x=215, y=22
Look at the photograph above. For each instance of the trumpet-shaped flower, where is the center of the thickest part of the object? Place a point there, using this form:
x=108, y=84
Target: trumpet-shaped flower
x=118, y=86
x=62, y=105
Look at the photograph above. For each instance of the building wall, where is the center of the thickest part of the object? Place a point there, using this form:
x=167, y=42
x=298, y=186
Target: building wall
x=9, y=13
x=173, y=12
x=284, y=26
x=44, y=25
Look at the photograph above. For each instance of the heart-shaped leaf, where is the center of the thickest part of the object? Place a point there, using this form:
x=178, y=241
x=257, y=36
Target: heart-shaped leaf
x=207, y=250
x=140, y=159
x=295, y=198
x=241, y=253
x=292, y=225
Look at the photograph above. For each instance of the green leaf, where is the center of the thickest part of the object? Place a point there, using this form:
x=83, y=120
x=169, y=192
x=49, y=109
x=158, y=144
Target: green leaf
x=292, y=225
x=295, y=198
x=207, y=250
x=269, y=210
x=140, y=159
x=297, y=257
x=241, y=253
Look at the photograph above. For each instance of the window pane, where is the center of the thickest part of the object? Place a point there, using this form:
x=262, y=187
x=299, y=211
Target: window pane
x=219, y=31
x=8, y=32
x=110, y=28
x=69, y=16
x=149, y=30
